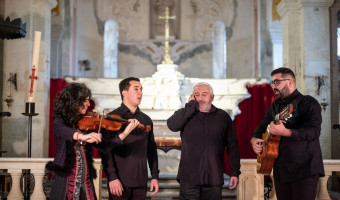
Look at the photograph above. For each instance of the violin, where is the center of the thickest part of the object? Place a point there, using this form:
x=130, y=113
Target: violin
x=111, y=122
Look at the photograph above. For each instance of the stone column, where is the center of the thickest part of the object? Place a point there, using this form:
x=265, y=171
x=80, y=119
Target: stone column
x=291, y=40
x=334, y=82
x=17, y=60
x=322, y=192
x=15, y=192
x=219, y=41
x=306, y=50
x=251, y=184
x=111, y=39
x=316, y=59
x=38, y=192
x=98, y=181
x=275, y=30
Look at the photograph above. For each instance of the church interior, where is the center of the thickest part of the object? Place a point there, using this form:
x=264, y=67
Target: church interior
x=170, y=45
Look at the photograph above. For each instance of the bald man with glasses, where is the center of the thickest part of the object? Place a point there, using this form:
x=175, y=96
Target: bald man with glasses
x=299, y=163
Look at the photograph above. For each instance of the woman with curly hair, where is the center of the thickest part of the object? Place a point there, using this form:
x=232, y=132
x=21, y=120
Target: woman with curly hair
x=73, y=163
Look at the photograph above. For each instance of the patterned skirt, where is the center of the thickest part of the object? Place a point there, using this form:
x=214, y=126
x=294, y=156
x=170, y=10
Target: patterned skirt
x=78, y=185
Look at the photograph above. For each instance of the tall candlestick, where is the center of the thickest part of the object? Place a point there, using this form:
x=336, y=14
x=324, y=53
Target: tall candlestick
x=35, y=60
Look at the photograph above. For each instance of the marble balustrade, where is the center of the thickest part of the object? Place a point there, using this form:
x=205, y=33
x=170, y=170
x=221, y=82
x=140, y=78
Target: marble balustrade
x=36, y=166
x=251, y=184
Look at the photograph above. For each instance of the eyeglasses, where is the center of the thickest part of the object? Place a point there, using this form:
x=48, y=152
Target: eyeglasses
x=276, y=82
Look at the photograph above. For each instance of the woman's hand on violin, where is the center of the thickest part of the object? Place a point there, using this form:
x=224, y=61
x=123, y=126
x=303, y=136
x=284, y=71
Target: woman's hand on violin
x=91, y=137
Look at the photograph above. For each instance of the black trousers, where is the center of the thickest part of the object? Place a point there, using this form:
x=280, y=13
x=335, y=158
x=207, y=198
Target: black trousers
x=199, y=192
x=304, y=189
x=130, y=193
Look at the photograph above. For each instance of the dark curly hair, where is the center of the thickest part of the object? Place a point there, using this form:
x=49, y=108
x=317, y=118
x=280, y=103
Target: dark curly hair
x=69, y=100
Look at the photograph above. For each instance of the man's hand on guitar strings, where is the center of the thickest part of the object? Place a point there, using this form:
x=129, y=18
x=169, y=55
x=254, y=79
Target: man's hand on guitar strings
x=256, y=143
x=279, y=129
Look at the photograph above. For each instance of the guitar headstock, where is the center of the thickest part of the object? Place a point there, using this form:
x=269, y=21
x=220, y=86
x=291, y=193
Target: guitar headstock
x=285, y=114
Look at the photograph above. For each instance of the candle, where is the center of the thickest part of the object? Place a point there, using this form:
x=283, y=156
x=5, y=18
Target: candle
x=34, y=70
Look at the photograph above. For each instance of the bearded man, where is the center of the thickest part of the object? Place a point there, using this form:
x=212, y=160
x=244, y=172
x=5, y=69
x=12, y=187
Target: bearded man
x=206, y=131
x=299, y=163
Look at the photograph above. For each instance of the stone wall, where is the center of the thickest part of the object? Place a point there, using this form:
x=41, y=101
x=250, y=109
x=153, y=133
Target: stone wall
x=2, y=6
x=196, y=21
x=17, y=59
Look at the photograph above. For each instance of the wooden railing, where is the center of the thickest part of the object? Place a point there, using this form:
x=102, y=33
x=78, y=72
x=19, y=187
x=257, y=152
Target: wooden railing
x=251, y=184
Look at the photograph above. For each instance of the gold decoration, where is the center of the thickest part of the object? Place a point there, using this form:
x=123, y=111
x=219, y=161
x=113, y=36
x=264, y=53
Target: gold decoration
x=55, y=10
x=167, y=59
x=275, y=14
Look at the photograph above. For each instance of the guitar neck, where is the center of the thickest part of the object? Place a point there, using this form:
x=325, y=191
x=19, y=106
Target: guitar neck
x=268, y=135
x=277, y=118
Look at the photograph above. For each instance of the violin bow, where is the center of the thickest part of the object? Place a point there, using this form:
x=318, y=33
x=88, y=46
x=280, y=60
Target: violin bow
x=100, y=124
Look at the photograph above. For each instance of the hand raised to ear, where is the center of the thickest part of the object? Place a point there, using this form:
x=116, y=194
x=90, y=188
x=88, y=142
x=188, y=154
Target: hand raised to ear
x=192, y=97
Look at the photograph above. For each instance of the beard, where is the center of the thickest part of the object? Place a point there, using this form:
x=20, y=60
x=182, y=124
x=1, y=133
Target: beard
x=281, y=94
x=204, y=106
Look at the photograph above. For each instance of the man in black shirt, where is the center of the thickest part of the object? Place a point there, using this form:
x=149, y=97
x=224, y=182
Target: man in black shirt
x=206, y=131
x=299, y=163
x=126, y=165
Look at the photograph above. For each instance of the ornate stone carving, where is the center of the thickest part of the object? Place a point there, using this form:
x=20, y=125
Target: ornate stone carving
x=157, y=8
x=208, y=12
x=153, y=50
x=125, y=13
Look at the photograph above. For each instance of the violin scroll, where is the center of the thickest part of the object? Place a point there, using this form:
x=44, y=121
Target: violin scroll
x=146, y=128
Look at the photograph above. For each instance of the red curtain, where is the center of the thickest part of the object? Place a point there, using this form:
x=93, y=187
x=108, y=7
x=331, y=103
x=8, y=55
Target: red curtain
x=56, y=85
x=253, y=110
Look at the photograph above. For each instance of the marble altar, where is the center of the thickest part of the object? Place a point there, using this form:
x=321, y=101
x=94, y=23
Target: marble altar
x=168, y=90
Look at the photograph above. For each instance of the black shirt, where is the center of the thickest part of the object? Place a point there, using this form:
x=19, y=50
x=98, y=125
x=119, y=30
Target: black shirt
x=128, y=162
x=300, y=154
x=205, y=136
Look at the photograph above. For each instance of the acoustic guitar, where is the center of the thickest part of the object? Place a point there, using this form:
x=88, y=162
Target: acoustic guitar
x=270, y=145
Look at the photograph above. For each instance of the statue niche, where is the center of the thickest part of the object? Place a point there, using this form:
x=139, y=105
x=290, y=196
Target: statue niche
x=157, y=8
